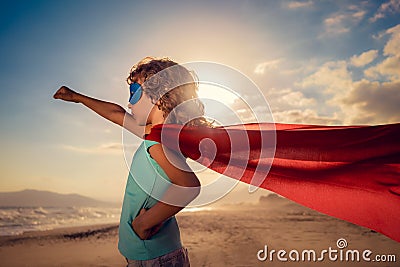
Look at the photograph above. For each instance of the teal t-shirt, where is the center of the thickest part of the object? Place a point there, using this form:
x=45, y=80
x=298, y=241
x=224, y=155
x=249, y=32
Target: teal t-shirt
x=145, y=178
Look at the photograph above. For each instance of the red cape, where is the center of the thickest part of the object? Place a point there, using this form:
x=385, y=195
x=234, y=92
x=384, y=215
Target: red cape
x=349, y=172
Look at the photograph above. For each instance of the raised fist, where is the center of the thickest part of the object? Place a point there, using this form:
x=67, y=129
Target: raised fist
x=66, y=94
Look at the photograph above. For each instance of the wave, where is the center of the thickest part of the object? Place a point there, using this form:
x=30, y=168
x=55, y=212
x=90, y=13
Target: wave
x=17, y=220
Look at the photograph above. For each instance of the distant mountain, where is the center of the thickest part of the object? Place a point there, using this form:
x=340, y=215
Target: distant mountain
x=272, y=198
x=33, y=198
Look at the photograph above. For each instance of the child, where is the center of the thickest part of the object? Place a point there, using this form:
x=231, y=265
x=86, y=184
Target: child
x=149, y=234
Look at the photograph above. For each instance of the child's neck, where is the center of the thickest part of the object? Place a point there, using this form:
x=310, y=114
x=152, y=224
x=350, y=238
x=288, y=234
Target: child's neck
x=149, y=126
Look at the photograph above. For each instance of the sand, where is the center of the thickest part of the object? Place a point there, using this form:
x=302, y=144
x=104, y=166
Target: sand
x=229, y=236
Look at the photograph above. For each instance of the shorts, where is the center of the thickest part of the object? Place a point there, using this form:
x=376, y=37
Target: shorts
x=176, y=258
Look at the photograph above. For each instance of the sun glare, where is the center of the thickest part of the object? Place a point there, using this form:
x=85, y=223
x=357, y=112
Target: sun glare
x=217, y=93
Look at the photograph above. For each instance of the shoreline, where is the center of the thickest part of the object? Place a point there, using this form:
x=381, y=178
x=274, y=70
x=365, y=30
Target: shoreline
x=71, y=232
x=84, y=230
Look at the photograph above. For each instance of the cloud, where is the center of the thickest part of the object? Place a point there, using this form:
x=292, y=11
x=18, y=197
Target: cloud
x=334, y=24
x=359, y=102
x=260, y=68
x=109, y=148
x=287, y=98
x=364, y=59
x=363, y=101
x=333, y=76
x=247, y=114
x=390, y=66
x=307, y=116
x=375, y=101
x=299, y=4
x=291, y=106
x=342, y=21
x=378, y=36
x=392, y=6
x=334, y=81
x=392, y=47
x=277, y=99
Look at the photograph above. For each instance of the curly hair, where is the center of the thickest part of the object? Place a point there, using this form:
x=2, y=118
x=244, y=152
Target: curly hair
x=174, y=90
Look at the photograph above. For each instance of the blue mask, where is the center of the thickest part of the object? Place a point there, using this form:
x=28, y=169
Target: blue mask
x=136, y=93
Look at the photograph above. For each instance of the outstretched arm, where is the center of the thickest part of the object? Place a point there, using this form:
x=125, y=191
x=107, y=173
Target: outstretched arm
x=149, y=222
x=112, y=112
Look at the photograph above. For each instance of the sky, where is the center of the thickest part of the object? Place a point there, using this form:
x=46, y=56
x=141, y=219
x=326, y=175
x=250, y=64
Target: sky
x=317, y=62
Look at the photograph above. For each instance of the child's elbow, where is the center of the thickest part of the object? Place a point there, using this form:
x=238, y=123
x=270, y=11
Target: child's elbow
x=195, y=181
x=196, y=190
x=195, y=186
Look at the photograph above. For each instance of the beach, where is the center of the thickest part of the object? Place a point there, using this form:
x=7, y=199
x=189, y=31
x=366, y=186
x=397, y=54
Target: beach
x=231, y=235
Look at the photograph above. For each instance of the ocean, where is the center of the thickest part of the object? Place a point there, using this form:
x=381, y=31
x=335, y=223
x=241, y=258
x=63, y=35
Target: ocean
x=17, y=220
